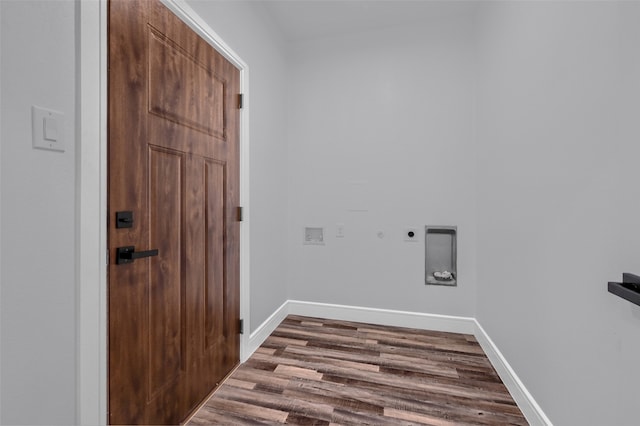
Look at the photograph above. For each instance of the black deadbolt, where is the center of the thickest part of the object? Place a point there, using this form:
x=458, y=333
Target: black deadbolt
x=124, y=219
x=411, y=234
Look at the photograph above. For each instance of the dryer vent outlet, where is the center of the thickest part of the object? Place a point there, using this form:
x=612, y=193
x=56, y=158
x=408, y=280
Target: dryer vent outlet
x=411, y=235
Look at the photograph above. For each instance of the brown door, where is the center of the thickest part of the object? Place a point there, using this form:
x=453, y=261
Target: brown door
x=174, y=163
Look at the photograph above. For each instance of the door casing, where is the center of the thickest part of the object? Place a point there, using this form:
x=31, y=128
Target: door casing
x=91, y=201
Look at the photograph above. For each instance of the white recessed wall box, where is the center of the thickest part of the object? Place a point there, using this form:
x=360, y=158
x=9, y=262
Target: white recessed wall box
x=314, y=235
x=47, y=129
x=441, y=253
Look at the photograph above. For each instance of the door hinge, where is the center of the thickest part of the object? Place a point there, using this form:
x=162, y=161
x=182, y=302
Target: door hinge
x=240, y=101
x=241, y=326
x=240, y=214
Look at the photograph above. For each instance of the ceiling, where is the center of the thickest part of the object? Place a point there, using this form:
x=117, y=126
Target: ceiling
x=307, y=19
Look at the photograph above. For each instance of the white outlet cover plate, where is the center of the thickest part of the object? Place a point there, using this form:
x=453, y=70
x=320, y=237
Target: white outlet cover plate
x=314, y=235
x=47, y=129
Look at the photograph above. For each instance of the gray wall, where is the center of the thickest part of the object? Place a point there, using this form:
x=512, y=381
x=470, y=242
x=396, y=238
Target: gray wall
x=537, y=104
x=382, y=122
x=37, y=309
x=558, y=201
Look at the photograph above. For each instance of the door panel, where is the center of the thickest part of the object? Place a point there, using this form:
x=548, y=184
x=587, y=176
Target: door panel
x=190, y=103
x=174, y=162
x=166, y=284
x=214, y=325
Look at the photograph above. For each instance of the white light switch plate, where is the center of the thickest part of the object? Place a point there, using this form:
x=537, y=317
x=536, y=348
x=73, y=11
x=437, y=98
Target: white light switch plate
x=47, y=129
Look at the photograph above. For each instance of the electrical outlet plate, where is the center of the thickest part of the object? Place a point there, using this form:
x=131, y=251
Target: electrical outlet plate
x=411, y=235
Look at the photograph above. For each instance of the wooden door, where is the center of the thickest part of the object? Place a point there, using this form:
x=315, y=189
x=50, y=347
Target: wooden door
x=174, y=163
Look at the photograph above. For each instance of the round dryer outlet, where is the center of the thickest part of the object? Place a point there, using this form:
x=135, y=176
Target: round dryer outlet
x=411, y=235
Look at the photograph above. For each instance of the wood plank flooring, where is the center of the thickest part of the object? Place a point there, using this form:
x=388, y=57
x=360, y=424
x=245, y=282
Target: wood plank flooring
x=319, y=372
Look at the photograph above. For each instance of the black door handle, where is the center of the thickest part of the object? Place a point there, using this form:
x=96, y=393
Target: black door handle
x=129, y=254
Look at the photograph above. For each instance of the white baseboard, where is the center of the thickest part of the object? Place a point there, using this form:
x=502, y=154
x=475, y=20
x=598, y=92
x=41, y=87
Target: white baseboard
x=418, y=320
x=452, y=324
x=529, y=407
x=264, y=330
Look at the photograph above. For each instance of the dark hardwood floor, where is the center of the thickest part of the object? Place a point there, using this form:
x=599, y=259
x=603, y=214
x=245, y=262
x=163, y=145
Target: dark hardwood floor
x=321, y=372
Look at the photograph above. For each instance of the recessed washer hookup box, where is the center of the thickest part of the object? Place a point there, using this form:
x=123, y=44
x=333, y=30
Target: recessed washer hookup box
x=440, y=243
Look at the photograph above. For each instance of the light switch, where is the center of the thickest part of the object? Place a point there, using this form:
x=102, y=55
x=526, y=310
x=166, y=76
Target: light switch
x=47, y=128
x=50, y=129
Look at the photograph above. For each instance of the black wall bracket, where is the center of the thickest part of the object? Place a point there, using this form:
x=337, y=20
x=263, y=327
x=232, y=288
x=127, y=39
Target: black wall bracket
x=628, y=289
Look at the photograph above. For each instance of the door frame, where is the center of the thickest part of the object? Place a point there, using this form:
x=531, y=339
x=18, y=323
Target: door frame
x=91, y=199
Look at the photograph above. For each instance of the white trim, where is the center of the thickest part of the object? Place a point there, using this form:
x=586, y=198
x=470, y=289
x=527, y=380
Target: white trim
x=527, y=404
x=448, y=323
x=1, y=144
x=91, y=249
x=258, y=337
x=183, y=11
x=91, y=184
